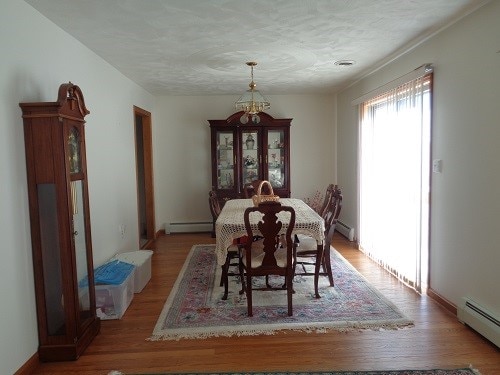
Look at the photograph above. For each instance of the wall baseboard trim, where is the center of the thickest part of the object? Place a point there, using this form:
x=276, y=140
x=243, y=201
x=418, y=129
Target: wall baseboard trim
x=30, y=366
x=442, y=301
x=189, y=227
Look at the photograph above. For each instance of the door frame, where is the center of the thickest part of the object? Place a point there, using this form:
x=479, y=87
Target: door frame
x=147, y=156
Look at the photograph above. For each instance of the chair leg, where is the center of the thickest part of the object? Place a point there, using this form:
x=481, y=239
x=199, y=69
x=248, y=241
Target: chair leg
x=294, y=256
x=222, y=275
x=317, y=269
x=225, y=279
x=249, y=295
x=289, y=293
x=267, y=282
x=225, y=269
x=242, y=277
x=327, y=265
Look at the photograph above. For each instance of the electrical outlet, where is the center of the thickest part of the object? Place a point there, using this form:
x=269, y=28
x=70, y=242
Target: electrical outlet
x=121, y=229
x=437, y=165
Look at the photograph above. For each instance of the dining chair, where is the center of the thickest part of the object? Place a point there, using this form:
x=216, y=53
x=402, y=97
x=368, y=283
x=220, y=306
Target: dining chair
x=232, y=251
x=248, y=190
x=306, y=252
x=215, y=208
x=270, y=255
x=214, y=204
x=328, y=195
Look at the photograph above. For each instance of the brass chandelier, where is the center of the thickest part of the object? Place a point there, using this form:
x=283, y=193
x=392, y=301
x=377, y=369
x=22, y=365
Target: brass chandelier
x=252, y=101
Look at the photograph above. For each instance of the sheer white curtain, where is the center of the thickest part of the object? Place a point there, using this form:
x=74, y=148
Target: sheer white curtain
x=394, y=178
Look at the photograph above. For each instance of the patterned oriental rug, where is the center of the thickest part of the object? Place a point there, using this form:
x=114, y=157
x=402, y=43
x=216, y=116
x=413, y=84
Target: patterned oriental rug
x=194, y=308
x=461, y=371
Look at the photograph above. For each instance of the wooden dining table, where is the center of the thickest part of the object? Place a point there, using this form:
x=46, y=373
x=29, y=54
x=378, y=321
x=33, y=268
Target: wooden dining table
x=230, y=226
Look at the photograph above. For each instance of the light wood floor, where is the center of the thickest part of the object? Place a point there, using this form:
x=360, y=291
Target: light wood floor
x=438, y=340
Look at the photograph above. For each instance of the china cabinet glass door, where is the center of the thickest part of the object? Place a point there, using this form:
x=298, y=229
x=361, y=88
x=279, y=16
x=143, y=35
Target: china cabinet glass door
x=250, y=156
x=276, y=158
x=225, y=160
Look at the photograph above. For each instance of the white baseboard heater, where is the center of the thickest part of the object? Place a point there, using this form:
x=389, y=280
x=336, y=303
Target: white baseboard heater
x=345, y=230
x=480, y=319
x=192, y=227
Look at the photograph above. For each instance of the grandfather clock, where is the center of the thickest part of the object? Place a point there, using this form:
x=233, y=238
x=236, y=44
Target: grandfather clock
x=60, y=224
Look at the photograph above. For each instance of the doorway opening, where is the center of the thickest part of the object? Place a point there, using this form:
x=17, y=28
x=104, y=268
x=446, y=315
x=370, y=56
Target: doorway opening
x=144, y=167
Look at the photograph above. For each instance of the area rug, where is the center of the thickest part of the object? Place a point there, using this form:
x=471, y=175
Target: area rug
x=194, y=308
x=461, y=371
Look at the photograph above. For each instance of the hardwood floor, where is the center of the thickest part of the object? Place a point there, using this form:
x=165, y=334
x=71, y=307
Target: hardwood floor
x=438, y=340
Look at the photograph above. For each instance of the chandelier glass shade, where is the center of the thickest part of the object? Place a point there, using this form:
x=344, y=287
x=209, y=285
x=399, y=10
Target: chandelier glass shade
x=252, y=101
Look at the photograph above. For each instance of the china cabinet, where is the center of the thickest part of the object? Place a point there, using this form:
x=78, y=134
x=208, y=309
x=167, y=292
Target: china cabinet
x=242, y=153
x=60, y=224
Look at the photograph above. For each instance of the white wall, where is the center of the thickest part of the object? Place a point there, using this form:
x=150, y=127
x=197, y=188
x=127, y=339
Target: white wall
x=465, y=221
x=32, y=70
x=36, y=58
x=181, y=136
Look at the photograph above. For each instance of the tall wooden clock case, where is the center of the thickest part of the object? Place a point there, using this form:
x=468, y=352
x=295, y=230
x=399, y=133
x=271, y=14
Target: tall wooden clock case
x=60, y=224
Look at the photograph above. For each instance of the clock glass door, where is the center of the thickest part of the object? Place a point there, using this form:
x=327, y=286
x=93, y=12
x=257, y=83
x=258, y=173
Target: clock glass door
x=79, y=235
x=79, y=240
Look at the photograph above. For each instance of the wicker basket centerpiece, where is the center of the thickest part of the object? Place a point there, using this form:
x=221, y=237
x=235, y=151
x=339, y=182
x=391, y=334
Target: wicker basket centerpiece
x=259, y=197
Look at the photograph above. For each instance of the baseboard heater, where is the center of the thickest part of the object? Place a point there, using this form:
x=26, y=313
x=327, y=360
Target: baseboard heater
x=345, y=230
x=192, y=227
x=480, y=319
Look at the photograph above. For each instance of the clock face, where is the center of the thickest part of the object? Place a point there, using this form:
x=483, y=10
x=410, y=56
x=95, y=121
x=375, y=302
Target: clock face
x=74, y=151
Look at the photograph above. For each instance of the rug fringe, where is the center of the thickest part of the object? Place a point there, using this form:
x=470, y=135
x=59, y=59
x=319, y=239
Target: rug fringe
x=272, y=331
x=475, y=370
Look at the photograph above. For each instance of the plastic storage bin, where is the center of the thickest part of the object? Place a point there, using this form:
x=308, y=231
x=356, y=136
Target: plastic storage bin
x=112, y=300
x=141, y=259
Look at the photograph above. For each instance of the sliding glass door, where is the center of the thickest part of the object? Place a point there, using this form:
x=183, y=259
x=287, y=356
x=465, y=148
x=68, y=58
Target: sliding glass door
x=395, y=129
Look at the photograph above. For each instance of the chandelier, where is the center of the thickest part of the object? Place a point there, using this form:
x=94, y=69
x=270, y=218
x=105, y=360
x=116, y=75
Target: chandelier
x=252, y=101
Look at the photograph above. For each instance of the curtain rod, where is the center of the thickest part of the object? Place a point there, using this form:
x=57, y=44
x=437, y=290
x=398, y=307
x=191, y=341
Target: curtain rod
x=417, y=73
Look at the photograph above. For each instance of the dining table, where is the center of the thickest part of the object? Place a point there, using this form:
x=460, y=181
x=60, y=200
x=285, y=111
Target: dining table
x=230, y=226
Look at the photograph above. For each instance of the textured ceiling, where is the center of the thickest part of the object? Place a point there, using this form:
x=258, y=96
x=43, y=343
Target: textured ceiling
x=199, y=47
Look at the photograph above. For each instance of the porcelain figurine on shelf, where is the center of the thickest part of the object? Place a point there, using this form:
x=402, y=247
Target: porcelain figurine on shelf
x=250, y=142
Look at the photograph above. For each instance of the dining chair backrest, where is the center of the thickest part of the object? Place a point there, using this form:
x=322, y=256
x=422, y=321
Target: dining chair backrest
x=269, y=227
x=331, y=213
x=328, y=196
x=248, y=190
x=214, y=204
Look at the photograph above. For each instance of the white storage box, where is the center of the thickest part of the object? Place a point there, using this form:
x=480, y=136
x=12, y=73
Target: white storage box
x=141, y=259
x=113, y=300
